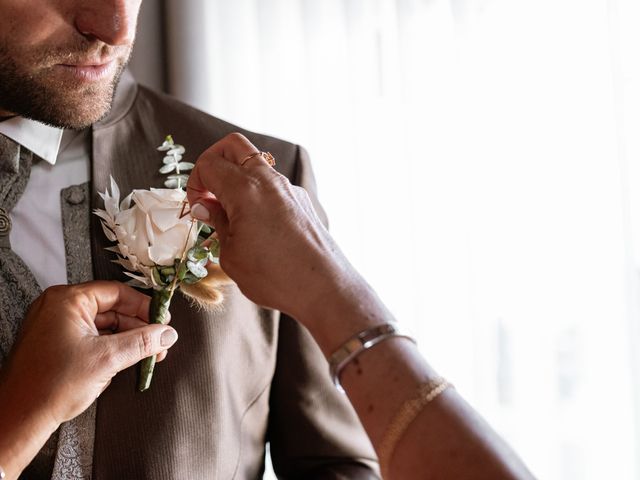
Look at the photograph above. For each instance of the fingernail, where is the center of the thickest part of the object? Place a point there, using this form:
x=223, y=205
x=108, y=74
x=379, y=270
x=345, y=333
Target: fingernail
x=168, y=337
x=200, y=212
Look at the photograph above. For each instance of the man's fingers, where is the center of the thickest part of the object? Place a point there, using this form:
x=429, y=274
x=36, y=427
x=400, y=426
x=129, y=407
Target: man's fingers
x=118, y=322
x=117, y=297
x=128, y=348
x=161, y=356
x=105, y=387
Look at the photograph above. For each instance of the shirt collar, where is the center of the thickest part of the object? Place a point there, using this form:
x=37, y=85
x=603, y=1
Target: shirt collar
x=41, y=139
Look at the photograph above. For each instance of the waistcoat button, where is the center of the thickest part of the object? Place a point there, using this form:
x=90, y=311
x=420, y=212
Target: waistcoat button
x=5, y=223
x=74, y=195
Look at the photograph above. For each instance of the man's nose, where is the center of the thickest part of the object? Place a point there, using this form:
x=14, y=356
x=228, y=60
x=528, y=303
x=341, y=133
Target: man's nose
x=110, y=21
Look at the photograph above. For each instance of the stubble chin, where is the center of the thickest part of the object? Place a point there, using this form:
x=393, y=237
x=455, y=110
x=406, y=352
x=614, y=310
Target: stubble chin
x=78, y=106
x=47, y=98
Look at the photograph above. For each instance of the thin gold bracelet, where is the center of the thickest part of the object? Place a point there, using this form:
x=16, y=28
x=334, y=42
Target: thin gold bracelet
x=407, y=414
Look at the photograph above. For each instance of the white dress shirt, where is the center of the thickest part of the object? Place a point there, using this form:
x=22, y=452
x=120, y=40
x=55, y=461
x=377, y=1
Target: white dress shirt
x=36, y=232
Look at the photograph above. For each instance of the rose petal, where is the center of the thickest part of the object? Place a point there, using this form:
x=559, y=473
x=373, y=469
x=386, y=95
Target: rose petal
x=166, y=218
x=168, y=195
x=170, y=245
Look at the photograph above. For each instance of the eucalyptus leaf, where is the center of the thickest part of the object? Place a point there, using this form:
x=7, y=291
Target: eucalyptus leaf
x=167, y=144
x=167, y=168
x=179, y=177
x=176, y=150
x=184, y=166
x=190, y=278
x=214, y=248
x=197, y=253
x=197, y=268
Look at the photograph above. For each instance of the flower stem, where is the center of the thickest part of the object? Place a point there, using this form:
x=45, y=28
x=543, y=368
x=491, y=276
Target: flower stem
x=158, y=310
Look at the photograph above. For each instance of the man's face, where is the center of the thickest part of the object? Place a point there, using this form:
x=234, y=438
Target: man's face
x=60, y=60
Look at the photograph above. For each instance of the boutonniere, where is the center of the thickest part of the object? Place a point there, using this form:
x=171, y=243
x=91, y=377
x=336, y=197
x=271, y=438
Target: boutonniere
x=160, y=246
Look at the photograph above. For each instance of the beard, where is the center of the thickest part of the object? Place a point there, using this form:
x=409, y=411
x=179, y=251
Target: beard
x=31, y=84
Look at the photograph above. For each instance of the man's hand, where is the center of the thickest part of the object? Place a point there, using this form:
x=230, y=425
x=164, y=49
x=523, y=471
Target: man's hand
x=73, y=340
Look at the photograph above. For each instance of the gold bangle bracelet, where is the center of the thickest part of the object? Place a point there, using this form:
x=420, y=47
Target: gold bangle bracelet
x=405, y=416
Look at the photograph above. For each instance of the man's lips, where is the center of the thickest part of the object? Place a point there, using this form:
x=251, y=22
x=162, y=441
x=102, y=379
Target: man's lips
x=88, y=71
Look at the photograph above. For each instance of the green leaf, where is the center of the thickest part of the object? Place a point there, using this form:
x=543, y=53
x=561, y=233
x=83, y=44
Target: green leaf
x=214, y=248
x=156, y=276
x=190, y=278
x=198, y=268
x=182, y=271
x=168, y=271
x=198, y=253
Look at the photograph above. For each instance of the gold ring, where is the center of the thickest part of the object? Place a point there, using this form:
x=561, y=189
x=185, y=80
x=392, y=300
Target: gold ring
x=266, y=156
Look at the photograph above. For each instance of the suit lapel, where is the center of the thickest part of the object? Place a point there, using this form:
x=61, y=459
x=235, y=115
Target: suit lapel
x=124, y=147
x=188, y=424
x=111, y=156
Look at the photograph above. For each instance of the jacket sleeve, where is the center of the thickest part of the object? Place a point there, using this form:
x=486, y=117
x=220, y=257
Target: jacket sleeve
x=314, y=433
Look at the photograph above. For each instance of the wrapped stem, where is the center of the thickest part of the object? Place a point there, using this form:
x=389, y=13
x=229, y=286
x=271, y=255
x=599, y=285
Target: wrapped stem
x=158, y=310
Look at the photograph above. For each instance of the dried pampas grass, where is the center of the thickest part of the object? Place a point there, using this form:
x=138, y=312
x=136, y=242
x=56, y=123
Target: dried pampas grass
x=207, y=293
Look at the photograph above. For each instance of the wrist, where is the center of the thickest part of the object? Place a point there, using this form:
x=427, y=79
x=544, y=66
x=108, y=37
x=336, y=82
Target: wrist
x=26, y=423
x=347, y=308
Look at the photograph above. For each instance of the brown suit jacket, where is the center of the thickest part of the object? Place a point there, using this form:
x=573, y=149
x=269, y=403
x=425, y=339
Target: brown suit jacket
x=236, y=379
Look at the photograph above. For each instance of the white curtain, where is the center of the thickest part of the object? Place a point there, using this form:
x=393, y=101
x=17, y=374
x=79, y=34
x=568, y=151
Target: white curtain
x=480, y=164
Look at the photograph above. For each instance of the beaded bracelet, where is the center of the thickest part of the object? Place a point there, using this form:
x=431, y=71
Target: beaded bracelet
x=407, y=414
x=356, y=345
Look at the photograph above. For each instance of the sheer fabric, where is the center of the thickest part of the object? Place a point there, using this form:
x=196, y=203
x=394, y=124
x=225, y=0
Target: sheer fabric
x=479, y=161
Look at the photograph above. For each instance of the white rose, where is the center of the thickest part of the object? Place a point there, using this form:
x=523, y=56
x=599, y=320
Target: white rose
x=151, y=232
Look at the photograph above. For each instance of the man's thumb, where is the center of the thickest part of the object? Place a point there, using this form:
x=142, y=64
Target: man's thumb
x=128, y=348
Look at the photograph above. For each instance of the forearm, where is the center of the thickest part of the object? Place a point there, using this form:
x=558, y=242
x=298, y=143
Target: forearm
x=447, y=439
x=24, y=428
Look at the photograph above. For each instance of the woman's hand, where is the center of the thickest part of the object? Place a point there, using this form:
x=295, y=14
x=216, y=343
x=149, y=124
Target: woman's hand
x=273, y=245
